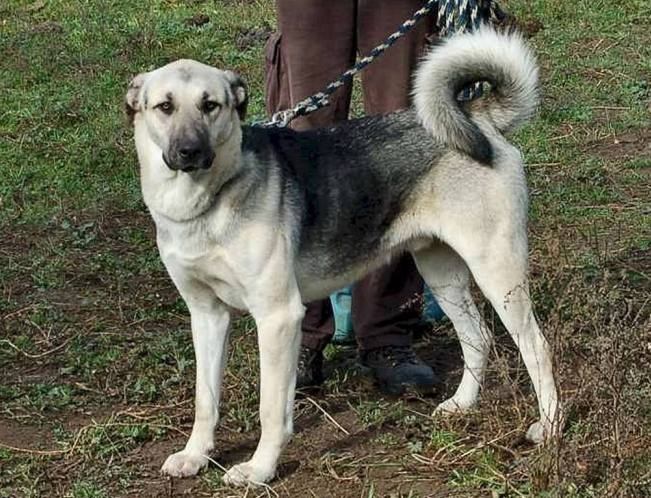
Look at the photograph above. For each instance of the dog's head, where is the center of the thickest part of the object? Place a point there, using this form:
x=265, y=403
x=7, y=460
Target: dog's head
x=189, y=109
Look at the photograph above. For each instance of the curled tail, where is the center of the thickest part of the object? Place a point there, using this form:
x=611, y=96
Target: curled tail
x=501, y=59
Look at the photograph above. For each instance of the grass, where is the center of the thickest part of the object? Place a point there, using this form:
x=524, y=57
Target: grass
x=96, y=359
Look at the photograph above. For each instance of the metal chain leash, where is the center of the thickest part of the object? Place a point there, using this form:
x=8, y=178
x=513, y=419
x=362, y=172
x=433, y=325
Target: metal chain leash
x=454, y=16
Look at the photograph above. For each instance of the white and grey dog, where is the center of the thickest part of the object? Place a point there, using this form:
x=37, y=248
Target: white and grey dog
x=265, y=220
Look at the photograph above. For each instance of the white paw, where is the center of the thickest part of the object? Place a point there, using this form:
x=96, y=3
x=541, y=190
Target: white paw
x=453, y=405
x=539, y=432
x=247, y=473
x=184, y=464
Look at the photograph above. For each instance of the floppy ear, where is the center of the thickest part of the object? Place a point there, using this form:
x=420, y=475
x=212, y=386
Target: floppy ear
x=133, y=96
x=240, y=93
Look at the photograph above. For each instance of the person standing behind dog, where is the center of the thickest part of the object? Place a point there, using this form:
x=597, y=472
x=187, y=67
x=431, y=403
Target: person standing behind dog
x=317, y=40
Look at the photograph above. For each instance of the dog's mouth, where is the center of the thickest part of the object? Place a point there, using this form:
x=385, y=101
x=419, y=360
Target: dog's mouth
x=167, y=162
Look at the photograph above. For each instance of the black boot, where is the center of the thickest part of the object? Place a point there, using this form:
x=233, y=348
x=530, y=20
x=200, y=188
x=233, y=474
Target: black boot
x=310, y=368
x=397, y=368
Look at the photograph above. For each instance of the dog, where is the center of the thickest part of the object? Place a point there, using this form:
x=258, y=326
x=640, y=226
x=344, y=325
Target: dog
x=266, y=219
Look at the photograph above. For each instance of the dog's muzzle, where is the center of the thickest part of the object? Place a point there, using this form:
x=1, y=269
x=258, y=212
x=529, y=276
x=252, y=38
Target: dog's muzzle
x=189, y=157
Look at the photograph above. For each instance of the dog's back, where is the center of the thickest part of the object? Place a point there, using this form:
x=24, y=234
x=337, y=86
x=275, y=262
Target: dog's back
x=345, y=185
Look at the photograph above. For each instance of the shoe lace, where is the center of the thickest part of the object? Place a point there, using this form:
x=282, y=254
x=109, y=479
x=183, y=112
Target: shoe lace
x=395, y=355
x=306, y=357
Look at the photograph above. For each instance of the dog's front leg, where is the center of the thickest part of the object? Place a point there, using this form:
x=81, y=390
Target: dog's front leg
x=210, y=321
x=278, y=339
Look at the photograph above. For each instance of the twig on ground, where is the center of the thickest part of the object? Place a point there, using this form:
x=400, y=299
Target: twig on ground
x=34, y=452
x=18, y=311
x=328, y=416
x=39, y=355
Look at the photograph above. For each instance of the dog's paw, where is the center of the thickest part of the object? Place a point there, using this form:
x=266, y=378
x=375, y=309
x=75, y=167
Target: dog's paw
x=247, y=473
x=538, y=433
x=541, y=432
x=453, y=406
x=184, y=464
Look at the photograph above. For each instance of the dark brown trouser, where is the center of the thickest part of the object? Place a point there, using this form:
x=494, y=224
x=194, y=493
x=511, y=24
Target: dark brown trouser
x=317, y=41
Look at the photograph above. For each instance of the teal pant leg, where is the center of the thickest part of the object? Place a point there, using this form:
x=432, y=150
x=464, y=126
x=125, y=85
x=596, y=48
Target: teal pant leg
x=341, y=308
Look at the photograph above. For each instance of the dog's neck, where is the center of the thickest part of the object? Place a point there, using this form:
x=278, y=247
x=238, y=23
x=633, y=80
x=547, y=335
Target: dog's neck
x=180, y=196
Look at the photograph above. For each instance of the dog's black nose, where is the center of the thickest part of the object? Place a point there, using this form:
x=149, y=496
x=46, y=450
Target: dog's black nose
x=189, y=153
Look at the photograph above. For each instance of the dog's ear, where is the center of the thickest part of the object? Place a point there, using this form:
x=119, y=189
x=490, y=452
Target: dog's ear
x=133, y=96
x=240, y=93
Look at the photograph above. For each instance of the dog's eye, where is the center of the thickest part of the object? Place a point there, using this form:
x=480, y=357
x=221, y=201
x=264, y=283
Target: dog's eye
x=210, y=105
x=165, y=107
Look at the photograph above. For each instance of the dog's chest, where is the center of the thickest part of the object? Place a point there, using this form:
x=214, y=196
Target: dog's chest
x=197, y=263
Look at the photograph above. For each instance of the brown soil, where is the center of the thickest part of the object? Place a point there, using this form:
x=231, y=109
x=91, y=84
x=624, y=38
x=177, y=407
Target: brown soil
x=28, y=437
x=624, y=146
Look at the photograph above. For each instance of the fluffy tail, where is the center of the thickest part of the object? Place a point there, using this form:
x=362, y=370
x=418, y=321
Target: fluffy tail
x=503, y=60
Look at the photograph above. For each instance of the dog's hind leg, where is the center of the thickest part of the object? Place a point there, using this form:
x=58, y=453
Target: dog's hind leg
x=498, y=262
x=210, y=321
x=278, y=322
x=449, y=279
